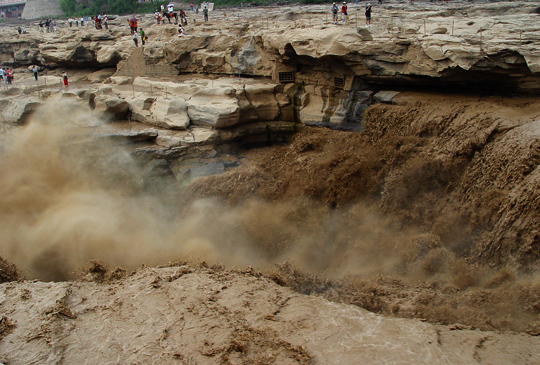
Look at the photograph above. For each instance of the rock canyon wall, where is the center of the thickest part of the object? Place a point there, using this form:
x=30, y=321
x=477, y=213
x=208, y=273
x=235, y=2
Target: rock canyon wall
x=330, y=73
x=430, y=213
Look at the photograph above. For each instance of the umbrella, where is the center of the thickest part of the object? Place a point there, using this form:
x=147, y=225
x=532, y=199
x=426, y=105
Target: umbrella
x=170, y=4
x=133, y=19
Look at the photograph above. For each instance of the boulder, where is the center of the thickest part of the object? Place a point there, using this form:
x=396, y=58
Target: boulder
x=169, y=113
x=109, y=55
x=440, y=30
x=263, y=100
x=435, y=52
x=162, y=112
x=16, y=110
x=110, y=107
x=121, y=80
x=214, y=107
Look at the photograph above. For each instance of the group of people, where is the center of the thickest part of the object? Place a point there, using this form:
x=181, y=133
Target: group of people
x=49, y=25
x=100, y=21
x=135, y=31
x=168, y=14
x=143, y=36
x=6, y=76
x=344, y=15
x=133, y=25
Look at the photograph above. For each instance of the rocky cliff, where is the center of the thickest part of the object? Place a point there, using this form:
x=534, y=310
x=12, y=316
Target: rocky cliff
x=333, y=71
x=408, y=46
x=430, y=213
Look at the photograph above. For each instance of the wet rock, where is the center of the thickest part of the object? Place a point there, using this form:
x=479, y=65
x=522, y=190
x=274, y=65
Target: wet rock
x=198, y=169
x=385, y=96
x=156, y=152
x=157, y=174
x=130, y=136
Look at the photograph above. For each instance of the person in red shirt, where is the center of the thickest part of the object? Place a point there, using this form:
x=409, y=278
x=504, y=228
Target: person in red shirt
x=344, y=12
x=65, y=79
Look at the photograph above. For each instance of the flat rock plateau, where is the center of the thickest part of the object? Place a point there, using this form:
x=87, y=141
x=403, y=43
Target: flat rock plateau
x=274, y=188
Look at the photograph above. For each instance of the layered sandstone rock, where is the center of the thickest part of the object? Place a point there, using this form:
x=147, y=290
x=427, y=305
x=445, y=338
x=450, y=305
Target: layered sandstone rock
x=405, y=45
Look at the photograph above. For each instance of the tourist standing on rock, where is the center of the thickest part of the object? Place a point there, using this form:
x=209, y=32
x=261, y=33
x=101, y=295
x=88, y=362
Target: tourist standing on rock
x=368, y=15
x=334, y=11
x=143, y=37
x=86, y=20
x=183, y=17
x=105, y=20
x=19, y=30
x=76, y=22
x=180, y=30
x=82, y=21
x=65, y=79
x=23, y=29
x=70, y=22
x=344, y=12
x=35, y=71
x=9, y=76
x=2, y=75
x=205, y=12
x=136, y=39
x=191, y=6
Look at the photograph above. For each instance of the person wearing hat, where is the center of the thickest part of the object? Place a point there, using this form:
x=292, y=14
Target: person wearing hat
x=344, y=12
x=334, y=10
x=368, y=15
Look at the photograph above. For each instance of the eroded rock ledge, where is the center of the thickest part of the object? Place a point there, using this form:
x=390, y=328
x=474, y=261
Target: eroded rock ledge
x=424, y=45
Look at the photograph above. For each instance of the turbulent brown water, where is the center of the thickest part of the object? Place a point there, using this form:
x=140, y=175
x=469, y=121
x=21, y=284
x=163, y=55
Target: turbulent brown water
x=401, y=219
